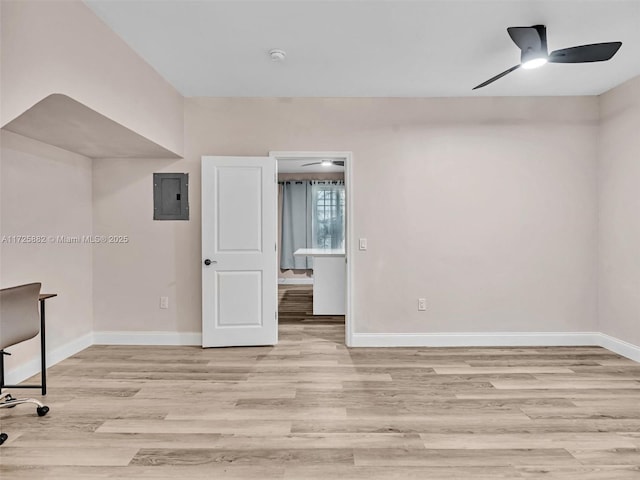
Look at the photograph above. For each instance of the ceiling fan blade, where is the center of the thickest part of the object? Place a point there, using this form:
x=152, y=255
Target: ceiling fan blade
x=497, y=77
x=596, y=52
x=339, y=163
x=527, y=37
x=314, y=163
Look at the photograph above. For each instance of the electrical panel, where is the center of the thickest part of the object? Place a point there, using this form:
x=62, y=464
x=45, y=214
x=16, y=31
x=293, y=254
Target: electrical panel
x=171, y=196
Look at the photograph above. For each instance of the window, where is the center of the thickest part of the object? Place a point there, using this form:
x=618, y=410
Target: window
x=327, y=214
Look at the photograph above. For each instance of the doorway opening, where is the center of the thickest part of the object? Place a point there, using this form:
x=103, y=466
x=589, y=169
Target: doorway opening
x=313, y=223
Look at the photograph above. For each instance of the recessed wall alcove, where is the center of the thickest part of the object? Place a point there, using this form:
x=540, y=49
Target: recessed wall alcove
x=61, y=121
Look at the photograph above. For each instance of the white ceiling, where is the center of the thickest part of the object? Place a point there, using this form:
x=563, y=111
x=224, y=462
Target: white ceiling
x=370, y=48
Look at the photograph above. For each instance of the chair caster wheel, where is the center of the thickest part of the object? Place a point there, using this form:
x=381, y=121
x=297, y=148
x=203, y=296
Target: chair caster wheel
x=3, y=437
x=8, y=398
x=42, y=411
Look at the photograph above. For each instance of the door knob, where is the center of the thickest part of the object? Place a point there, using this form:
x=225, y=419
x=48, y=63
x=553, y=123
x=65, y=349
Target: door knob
x=208, y=262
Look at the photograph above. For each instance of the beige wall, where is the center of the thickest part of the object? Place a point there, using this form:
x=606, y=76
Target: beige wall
x=60, y=46
x=47, y=191
x=162, y=258
x=619, y=212
x=486, y=207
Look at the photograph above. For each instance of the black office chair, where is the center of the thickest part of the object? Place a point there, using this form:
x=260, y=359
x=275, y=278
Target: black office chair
x=19, y=321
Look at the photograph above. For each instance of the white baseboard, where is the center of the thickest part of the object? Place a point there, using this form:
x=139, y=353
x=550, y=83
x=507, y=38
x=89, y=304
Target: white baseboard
x=147, y=338
x=620, y=347
x=54, y=355
x=498, y=339
x=475, y=339
x=295, y=281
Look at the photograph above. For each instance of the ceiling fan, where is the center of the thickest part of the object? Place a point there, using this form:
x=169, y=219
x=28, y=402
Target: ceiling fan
x=327, y=163
x=532, y=42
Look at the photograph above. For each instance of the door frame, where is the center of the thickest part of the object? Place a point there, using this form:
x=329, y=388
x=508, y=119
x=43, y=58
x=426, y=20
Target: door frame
x=350, y=243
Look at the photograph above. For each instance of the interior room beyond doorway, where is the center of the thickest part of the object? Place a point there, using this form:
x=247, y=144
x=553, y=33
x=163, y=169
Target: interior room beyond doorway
x=311, y=219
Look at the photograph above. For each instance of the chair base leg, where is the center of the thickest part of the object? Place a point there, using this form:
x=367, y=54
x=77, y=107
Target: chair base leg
x=7, y=401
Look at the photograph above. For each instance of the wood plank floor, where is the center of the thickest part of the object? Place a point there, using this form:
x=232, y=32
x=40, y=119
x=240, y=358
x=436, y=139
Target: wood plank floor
x=295, y=304
x=310, y=408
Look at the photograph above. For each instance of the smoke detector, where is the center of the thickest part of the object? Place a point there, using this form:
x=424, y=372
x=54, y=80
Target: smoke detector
x=277, y=55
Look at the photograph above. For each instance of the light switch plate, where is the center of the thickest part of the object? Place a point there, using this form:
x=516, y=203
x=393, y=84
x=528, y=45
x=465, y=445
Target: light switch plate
x=164, y=302
x=362, y=244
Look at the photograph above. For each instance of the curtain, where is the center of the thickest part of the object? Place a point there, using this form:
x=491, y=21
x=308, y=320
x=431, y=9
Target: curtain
x=327, y=214
x=312, y=217
x=296, y=224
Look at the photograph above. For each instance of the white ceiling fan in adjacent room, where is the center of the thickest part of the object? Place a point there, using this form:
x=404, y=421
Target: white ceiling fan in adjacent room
x=326, y=162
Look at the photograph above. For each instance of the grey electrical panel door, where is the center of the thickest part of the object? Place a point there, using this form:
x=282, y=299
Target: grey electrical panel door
x=171, y=196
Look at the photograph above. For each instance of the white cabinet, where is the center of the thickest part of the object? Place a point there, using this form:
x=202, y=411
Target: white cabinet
x=329, y=272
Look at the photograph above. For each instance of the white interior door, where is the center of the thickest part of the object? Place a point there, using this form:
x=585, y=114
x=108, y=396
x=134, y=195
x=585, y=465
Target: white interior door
x=239, y=264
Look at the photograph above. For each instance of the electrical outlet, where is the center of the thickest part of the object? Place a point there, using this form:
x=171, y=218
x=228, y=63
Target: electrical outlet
x=422, y=304
x=164, y=302
x=363, y=244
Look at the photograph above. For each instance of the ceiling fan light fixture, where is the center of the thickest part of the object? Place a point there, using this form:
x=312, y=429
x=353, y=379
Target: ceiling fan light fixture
x=534, y=63
x=533, y=58
x=326, y=163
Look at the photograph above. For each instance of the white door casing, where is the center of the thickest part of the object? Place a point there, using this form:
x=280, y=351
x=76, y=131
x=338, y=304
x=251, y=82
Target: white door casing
x=350, y=243
x=239, y=286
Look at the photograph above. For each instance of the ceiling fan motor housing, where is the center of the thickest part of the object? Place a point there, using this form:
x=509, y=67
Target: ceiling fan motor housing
x=532, y=54
x=537, y=49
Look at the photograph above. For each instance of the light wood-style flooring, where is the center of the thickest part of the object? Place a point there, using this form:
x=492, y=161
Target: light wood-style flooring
x=295, y=304
x=310, y=408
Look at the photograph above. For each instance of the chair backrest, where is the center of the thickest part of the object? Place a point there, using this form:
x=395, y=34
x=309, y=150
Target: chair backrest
x=19, y=314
